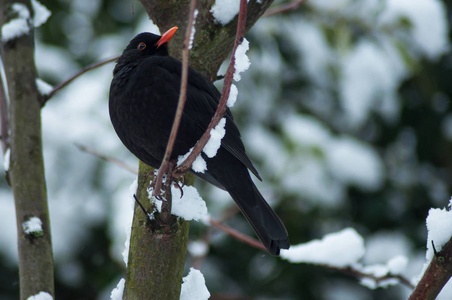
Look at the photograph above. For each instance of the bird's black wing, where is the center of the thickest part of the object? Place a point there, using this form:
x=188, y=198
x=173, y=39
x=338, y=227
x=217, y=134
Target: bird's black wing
x=202, y=101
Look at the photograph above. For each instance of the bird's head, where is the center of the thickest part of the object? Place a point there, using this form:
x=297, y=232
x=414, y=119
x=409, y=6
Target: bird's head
x=146, y=44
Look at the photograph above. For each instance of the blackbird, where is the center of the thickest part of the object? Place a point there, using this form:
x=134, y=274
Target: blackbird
x=144, y=95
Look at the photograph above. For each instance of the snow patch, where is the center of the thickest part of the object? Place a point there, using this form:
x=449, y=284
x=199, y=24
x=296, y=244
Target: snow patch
x=233, y=93
x=41, y=13
x=225, y=10
x=117, y=292
x=18, y=26
x=340, y=249
x=32, y=226
x=41, y=296
x=43, y=87
x=194, y=286
x=214, y=143
x=6, y=159
x=241, y=60
x=439, y=226
x=193, y=30
x=199, y=165
x=189, y=207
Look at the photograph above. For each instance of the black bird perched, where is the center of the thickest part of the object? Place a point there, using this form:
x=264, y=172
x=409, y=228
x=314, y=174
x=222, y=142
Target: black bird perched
x=144, y=95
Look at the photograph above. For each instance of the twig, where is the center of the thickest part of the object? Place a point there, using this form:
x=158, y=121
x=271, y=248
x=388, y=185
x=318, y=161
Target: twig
x=238, y=235
x=359, y=274
x=283, y=8
x=221, y=109
x=180, y=106
x=107, y=158
x=4, y=115
x=70, y=79
x=436, y=276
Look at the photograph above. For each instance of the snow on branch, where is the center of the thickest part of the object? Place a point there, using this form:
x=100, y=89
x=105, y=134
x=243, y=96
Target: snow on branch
x=342, y=251
x=438, y=267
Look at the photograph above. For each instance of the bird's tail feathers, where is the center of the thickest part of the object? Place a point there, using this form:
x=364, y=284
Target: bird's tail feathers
x=265, y=222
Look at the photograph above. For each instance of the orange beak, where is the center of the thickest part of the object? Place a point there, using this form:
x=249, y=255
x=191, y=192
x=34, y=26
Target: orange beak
x=166, y=36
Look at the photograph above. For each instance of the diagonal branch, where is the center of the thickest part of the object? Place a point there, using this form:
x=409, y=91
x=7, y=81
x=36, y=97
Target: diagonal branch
x=436, y=276
x=76, y=75
x=283, y=8
x=180, y=106
x=238, y=235
x=108, y=158
x=221, y=109
x=360, y=275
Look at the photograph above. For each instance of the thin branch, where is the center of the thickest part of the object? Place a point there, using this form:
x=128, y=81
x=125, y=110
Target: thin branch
x=238, y=235
x=359, y=274
x=348, y=270
x=283, y=8
x=76, y=75
x=436, y=276
x=111, y=159
x=221, y=109
x=180, y=106
x=4, y=116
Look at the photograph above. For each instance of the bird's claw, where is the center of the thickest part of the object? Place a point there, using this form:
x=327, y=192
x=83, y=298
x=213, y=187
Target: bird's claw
x=176, y=184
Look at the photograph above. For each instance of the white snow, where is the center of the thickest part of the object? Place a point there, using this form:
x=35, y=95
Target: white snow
x=214, y=143
x=190, y=207
x=194, y=286
x=306, y=130
x=41, y=296
x=340, y=249
x=439, y=226
x=428, y=20
x=439, y=230
x=117, y=292
x=41, y=13
x=6, y=159
x=397, y=264
x=125, y=252
x=33, y=225
x=322, y=159
x=354, y=162
x=225, y=10
x=43, y=87
x=394, y=266
x=17, y=26
x=20, y=25
x=199, y=165
x=372, y=284
x=362, y=68
x=198, y=248
x=241, y=60
x=233, y=93
x=193, y=30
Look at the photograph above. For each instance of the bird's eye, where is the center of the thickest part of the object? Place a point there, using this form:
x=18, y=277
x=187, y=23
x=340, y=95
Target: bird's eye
x=141, y=46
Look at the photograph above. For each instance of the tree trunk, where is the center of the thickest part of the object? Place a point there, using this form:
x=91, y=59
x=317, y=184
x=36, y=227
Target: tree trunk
x=157, y=250
x=26, y=172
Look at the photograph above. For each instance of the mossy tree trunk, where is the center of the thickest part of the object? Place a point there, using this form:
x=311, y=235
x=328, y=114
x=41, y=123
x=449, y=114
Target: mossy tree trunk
x=157, y=250
x=26, y=170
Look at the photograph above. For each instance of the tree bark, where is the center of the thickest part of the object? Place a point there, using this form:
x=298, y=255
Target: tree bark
x=436, y=276
x=213, y=42
x=27, y=165
x=157, y=250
